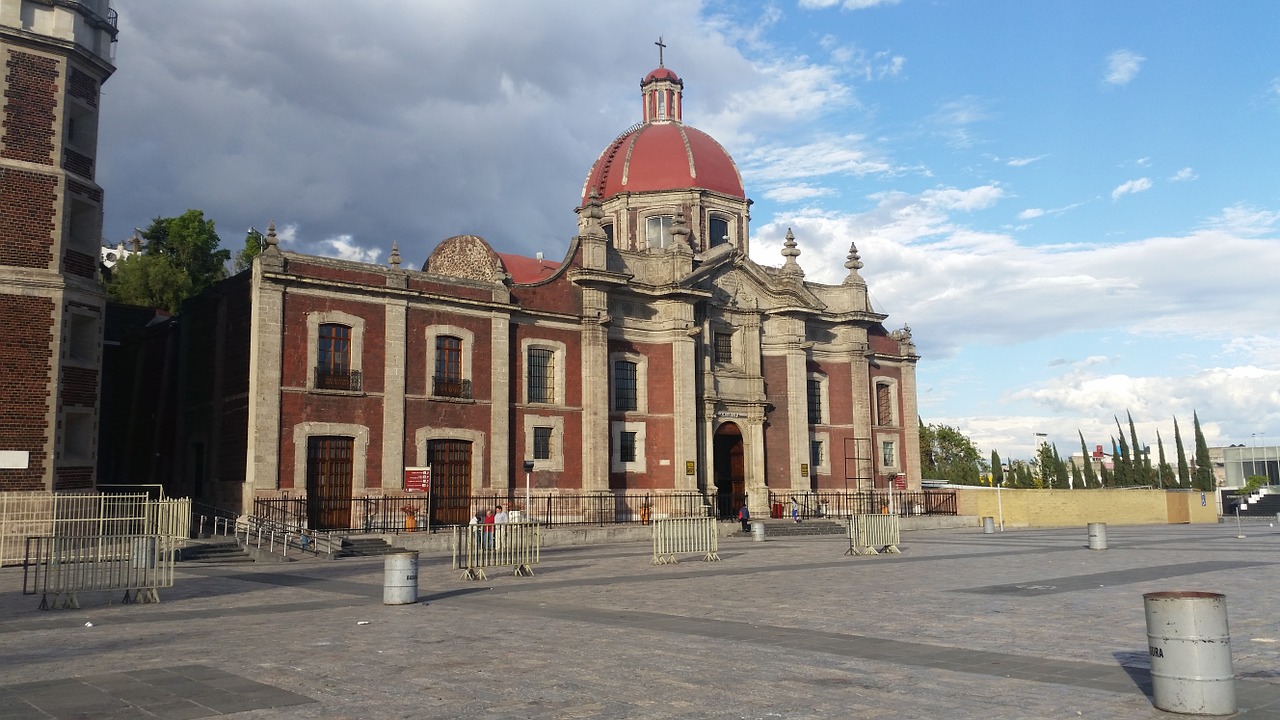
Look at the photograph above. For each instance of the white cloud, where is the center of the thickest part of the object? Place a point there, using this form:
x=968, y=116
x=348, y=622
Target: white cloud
x=1184, y=175
x=1130, y=187
x=1123, y=67
x=797, y=193
x=846, y=155
x=345, y=248
x=1024, y=161
x=1030, y=213
x=846, y=4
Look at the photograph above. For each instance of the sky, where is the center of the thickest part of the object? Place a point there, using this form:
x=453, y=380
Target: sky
x=1074, y=204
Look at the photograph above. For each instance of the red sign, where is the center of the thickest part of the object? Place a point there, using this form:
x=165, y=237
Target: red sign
x=417, y=479
x=900, y=483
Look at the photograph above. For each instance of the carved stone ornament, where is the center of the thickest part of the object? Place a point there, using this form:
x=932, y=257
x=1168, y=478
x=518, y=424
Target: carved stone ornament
x=464, y=256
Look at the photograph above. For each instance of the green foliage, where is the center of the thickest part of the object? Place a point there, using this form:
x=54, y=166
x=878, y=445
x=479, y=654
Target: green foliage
x=1164, y=472
x=1086, y=457
x=1140, y=470
x=1077, y=480
x=1204, y=466
x=254, y=241
x=1061, y=478
x=1122, y=459
x=997, y=472
x=947, y=454
x=181, y=258
x=1184, y=472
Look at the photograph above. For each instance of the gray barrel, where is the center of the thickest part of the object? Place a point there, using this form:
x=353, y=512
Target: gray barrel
x=988, y=525
x=144, y=552
x=757, y=531
x=1190, y=650
x=400, y=579
x=1097, y=536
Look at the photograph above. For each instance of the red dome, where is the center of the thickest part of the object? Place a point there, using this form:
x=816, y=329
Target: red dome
x=661, y=74
x=663, y=156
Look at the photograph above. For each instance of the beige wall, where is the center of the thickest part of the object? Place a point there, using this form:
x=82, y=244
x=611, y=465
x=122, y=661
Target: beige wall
x=1069, y=508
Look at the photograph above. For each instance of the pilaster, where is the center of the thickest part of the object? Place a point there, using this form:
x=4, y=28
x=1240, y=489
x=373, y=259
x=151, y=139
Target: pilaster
x=500, y=371
x=595, y=391
x=684, y=372
x=860, y=381
x=395, y=358
x=266, y=341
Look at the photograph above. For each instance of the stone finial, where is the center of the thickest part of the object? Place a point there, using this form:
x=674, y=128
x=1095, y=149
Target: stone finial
x=394, y=260
x=592, y=213
x=790, y=251
x=272, y=246
x=854, y=263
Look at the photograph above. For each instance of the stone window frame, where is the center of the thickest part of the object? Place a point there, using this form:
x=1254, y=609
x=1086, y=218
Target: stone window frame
x=82, y=343
x=824, y=467
x=888, y=455
x=78, y=440
x=670, y=215
x=728, y=221
x=642, y=381
x=359, y=434
x=556, y=462
x=468, y=343
x=559, y=355
x=334, y=317
x=479, y=454
x=640, y=464
x=895, y=415
x=734, y=354
x=824, y=398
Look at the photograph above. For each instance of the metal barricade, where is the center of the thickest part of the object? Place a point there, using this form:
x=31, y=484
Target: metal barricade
x=672, y=536
x=869, y=532
x=65, y=566
x=514, y=545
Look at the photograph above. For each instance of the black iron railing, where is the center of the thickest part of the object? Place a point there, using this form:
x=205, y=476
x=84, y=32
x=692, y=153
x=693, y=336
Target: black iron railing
x=330, y=379
x=904, y=503
x=451, y=387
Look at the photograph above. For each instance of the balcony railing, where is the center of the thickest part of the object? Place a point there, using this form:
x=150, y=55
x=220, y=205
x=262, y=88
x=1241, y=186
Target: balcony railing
x=451, y=388
x=331, y=379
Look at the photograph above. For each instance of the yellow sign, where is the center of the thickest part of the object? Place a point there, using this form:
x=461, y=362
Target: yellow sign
x=689, y=467
x=804, y=469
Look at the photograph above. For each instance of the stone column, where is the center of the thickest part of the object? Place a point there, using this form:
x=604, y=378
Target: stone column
x=395, y=355
x=500, y=380
x=797, y=394
x=595, y=391
x=910, y=425
x=863, y=412
x=266, y=342
x=684, y=390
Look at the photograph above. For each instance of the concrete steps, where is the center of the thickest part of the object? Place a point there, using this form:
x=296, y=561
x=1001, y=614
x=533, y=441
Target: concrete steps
x=790, y=528
x=366, y=547
x=214, y=551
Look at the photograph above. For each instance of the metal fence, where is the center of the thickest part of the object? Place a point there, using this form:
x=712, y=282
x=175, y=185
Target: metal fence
x=903, y=503
x=514, y=545
x=43, y=514
x=63, y=567
x=673, y=536
x=872, y=534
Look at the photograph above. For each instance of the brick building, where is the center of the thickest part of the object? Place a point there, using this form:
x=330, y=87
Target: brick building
x=54, y=57
x=656, y=356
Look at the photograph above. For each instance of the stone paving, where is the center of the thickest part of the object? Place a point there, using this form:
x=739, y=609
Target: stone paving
x=1020, y=624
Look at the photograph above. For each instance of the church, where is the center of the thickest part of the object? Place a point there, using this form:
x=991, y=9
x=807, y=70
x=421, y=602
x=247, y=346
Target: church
x=656, y=357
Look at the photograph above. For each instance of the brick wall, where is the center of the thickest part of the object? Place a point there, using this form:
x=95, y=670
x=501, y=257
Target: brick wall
x=30, y=104
x=26, y=354
x=73, y=478
x=78, y=263
x=27, y=202
x=79, y=387
x=82, y=85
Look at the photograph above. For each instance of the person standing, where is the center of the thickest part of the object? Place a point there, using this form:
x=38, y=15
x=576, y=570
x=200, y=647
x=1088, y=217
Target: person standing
x=795, y=510
x=500, y=519
x=488, y=530
x=744, y=516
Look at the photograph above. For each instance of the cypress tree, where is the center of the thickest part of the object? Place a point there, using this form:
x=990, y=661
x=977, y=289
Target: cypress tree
x=1123, y=463
x=1119, y=473
x=1141, y=469
x=1204, y=466
x=1077, y=480
x=1164, y=473
x=1104, y=480
x=997, y=472
x=1184, y=472
x=1090, y=477
x=1060, y=475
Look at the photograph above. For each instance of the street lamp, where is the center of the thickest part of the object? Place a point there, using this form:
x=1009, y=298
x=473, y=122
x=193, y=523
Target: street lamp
x=528, y=469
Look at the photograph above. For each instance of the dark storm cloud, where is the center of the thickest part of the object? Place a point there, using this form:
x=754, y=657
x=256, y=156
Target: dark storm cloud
x=406, y=122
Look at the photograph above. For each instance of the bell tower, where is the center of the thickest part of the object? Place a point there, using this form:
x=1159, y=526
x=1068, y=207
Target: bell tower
x=54, y=57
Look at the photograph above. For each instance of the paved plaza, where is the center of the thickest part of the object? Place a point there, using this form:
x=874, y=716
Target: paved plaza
x=1020, y=624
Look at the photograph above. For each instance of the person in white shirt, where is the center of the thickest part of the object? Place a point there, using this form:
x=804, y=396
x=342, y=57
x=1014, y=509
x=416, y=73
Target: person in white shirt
x=500, y=518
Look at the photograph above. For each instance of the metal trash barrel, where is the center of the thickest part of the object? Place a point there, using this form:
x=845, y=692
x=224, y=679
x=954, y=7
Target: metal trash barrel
x=757, y=531
x=988, y=525
x=144, y=553
x=1190, y=650
x=1097, y=536
x=400, y=579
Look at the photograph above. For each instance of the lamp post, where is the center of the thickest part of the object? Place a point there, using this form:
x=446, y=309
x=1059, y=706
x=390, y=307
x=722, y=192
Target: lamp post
x=528, y=470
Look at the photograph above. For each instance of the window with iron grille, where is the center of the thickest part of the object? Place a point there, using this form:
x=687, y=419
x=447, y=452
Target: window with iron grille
x=887, y=457
x=884, y=404
x=815, y=456
x=815, y=401
x=540, y=375
x=448, y=380
x=625, y=396
x=542, y=443
x=627, y=447
x=333, y=357
x=723, y=348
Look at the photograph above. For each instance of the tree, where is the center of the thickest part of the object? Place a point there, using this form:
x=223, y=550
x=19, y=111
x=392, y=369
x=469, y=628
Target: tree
x=1204, y=466
x=1104, y=479
x=1061, y=477
x=1184, y=472
x=1164, y=472
x=1141, y=466
x=181, y=259
x=947, y=454
x=1123, y=459
x=253, y=244
x=1047, y=463
x=1077, y=480
x=1086, y=458
x=997, y=472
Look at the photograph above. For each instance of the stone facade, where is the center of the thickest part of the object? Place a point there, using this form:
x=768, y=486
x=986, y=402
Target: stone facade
x=54, y=57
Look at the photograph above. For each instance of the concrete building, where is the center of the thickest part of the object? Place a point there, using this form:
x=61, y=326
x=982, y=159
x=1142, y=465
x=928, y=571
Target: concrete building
x=1239, y=462
x=55, y=57
x=655, y=356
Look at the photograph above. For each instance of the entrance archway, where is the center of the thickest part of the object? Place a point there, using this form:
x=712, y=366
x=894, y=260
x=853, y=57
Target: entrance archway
x=729, y=471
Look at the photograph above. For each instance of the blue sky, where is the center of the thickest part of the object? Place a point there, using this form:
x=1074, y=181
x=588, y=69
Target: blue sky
x=1075, y=205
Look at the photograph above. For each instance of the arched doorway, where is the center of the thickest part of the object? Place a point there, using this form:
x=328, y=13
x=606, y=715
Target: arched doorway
x=729, y=470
